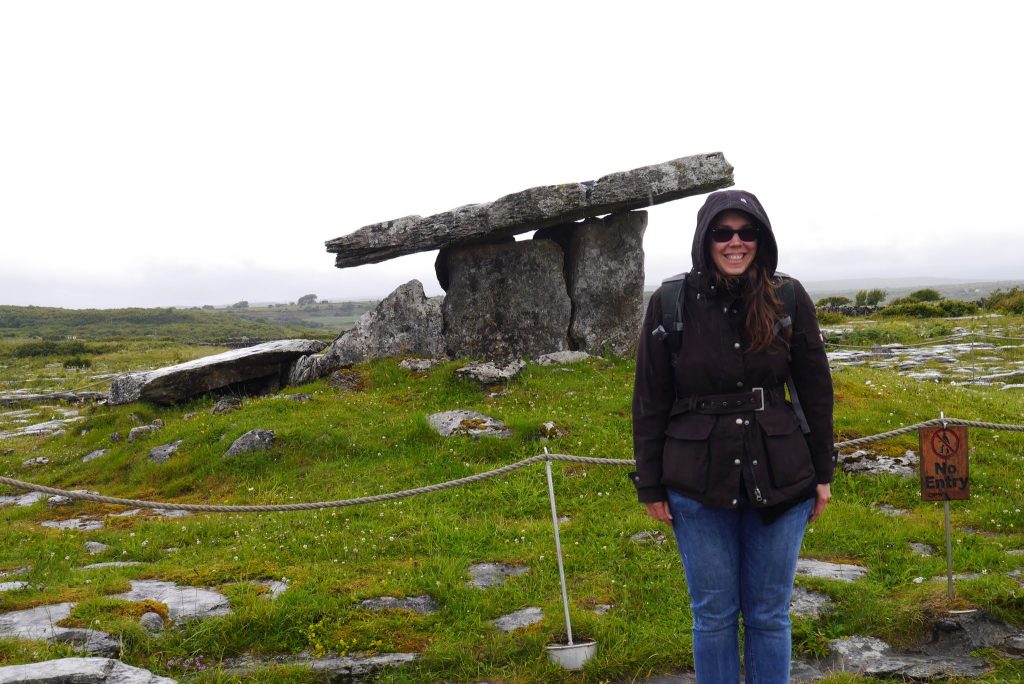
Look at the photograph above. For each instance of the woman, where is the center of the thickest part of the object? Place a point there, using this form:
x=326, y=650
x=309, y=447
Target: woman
x=720, y=452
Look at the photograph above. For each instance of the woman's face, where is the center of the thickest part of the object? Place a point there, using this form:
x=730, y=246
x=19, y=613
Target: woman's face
x=733, y=257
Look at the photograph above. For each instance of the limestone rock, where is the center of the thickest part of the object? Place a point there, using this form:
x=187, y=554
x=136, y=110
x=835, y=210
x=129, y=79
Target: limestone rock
x=78, y=524
x=868, y=462
x=605, y=266
x=562, y=357
x=253, y=440
x=419, y=365
x=405, y=322
x=844, y=572
x=21, y=499
x=491, y=373
x=93, y=455
x=251, y=370
x=418, y=604
x=472, y=423
x=39, y=460
x=649, y=537
x=141, y=431
x=807, y=603
x=12, y=586
x=79, y=671
x=225, y=404
x=95, y=547
x=162, y=453
x=519, y=619
x=348, y=668
x=40, y=623
x=152, y=623
x=873, y=657
x=506, y=301
x=534, y=208
x=183, y=603
x=484, y=575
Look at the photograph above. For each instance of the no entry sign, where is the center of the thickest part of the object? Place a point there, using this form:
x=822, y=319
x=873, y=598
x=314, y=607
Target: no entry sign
x=944, y=467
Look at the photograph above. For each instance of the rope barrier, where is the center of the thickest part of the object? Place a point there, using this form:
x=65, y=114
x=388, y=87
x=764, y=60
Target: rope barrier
x=390, y=496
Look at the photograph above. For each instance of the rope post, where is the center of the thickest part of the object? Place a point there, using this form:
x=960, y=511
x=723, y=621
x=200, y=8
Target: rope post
x=950, y=594
x=558, y=548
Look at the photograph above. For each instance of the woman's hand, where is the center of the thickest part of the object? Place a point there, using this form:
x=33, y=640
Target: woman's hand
x=823, y=494
x=659, y=511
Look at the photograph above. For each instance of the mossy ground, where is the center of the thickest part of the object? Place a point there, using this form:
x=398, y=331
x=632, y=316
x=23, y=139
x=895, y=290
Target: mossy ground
x=347, y=444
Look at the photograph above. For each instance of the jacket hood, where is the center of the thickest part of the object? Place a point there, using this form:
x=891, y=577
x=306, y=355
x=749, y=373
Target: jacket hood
x=741, y=200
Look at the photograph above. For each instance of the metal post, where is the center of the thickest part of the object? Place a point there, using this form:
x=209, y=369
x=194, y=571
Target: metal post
x=949, y=555
x=558, y=549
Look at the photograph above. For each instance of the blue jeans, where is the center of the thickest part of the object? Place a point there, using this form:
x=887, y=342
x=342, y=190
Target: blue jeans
x=736, y=564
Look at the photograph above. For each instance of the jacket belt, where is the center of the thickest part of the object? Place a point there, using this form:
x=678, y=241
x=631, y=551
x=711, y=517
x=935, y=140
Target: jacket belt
x=756, y=399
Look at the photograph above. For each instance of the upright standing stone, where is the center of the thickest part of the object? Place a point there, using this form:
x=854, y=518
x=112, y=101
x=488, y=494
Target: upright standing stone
x=506, y=301
x=405, y=322
x=605, y=265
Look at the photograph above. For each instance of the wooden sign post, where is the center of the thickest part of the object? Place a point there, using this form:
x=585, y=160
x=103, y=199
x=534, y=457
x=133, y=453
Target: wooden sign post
x=945, y=475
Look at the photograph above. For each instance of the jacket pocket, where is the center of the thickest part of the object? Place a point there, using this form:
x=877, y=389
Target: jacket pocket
x=789, y=458
x=685, y=459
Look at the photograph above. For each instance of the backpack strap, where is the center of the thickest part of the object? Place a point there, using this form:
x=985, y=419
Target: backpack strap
x=787, y=295
x=673, y=299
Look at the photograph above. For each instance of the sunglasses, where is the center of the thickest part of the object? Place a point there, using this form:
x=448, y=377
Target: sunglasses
x=725, y=234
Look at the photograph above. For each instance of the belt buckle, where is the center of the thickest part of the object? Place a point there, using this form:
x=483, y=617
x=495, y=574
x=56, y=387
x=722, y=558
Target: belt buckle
x=760, y=391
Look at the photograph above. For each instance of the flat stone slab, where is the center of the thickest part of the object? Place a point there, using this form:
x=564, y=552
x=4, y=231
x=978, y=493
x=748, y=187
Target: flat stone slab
x=419, y=365
x=418, y=604
x=534, y=208
x=50, y=427
x=23, y=398
x=873, y=657
x=40, y=624
x=269, y=362
x=922, y=549
x=807, y=603
x=340, y=668
x=12, y=586
x=484, y=575
x=79, y=671
x=163, y=453
x=472, y=423
x=95, y=547
x=93, y=455
x=843, y=572
x=111, y=564
x=183, y=603
x=78, y=524
x=491, y=373
x=561, y=358
x=519, y=619
x=21, y=499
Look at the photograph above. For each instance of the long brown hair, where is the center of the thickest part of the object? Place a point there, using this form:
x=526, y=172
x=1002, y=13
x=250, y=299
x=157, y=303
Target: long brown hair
x=762, y=304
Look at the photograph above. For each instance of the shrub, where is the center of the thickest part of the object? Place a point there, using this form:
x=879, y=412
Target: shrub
x=926, y=295
x=52, y=348
x=78, y=362
x=830, y=317
x=1010, y=301
x=869, y=297
x=941, y=309
x=834, y=300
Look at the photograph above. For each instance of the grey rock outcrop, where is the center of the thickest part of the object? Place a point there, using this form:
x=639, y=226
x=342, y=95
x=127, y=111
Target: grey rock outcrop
x=485, y=575
x=417, y=604
x=506, y=301
x=534, y=208
x=152, y=623
x=253, y=440
x=163, y=453
x=95, y=547
x=347, y=668
x=183, y=603
x=40, y=624
x=519, y=619
x=79, y=671
x=561, y=358
x=405, y=322
x=252, y=370
x=93, y=455
x=844, y=572
x=471, y=423
x=490, y=373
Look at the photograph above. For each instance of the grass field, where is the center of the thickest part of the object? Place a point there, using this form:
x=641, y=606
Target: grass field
x=348, y=444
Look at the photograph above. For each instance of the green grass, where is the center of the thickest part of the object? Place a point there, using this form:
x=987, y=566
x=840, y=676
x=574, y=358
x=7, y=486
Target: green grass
x=338, y=446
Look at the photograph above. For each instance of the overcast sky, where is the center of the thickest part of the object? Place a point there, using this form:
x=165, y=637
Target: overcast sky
x=185, y=153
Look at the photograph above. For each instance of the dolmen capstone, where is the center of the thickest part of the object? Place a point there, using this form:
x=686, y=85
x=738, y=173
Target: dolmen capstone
x=576, y=285
x=252, y=370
